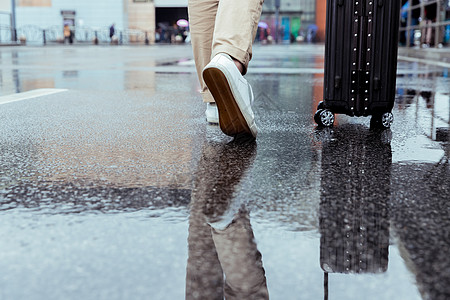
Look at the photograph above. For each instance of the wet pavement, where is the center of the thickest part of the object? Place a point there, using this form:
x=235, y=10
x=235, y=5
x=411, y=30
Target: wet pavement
x=118, y=189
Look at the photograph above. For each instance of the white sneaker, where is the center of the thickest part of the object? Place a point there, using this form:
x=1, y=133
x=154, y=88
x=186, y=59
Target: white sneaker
x=212, y=114
x=232, y=94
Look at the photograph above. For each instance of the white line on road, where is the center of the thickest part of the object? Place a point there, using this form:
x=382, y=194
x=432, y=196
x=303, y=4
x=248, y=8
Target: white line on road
x=29, y=95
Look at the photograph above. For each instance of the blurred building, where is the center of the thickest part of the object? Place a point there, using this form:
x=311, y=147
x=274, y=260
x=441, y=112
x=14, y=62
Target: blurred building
x=5, y=17
x=82, y=14
x=167, y=13
x=295, y=17
x=95, y=14
x=143, y=15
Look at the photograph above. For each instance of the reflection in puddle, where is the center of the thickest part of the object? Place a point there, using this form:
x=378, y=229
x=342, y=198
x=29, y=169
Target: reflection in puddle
x=431, y=101
x=10, y=82
x=140, y=80
x=223, y=257
x=354, y=225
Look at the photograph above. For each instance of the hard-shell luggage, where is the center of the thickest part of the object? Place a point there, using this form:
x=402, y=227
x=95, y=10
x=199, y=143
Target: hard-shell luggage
x=360, y=60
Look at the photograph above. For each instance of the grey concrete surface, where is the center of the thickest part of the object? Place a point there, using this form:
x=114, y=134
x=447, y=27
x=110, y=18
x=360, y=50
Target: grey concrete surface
x=118, y=189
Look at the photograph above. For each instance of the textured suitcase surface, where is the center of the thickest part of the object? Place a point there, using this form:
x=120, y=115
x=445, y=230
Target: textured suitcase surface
x=361, y=56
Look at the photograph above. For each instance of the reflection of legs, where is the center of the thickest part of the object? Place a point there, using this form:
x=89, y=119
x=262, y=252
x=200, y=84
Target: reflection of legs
x=210, y=196
x=220, y=170
x=240, y=260
x=204, y=275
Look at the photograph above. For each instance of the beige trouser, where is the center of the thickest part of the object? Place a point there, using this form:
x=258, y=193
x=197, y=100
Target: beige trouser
x=222, y=26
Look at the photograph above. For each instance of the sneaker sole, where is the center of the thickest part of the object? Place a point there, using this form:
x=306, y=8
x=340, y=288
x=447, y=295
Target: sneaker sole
x=231, y=120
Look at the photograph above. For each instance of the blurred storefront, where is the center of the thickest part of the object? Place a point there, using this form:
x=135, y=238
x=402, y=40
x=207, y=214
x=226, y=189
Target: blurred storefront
x=296, y=20
x=425, y=23
x=168, y=13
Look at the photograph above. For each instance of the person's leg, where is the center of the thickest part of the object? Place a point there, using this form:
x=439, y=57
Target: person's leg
x=202, y=16
x=235, y=29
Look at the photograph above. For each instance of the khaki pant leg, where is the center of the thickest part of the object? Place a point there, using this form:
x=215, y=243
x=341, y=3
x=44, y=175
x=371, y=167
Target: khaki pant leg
x=241, y=261
x=202, y=16
x=235, y=29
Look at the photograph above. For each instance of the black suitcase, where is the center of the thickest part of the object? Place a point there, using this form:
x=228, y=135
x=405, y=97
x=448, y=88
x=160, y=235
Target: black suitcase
x=360, y=60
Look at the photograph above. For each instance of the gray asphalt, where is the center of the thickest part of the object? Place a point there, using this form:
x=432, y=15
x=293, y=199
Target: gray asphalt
x=118, y=188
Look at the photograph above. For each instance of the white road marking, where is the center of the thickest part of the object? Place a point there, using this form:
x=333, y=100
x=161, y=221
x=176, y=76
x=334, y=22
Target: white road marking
x=29, y=95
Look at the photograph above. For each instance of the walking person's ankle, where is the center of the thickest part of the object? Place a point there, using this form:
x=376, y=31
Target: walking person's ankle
x=239, y=65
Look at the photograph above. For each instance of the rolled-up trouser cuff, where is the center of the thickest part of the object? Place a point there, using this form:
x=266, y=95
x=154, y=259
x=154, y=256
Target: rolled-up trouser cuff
x=238, y=54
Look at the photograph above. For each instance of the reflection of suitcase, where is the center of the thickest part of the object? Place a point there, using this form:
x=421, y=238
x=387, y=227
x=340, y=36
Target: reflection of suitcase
x=353, y=214
x=360, y=60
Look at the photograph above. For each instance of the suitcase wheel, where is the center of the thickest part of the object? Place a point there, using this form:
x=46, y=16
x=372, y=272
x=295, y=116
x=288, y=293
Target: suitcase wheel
x=317, y=116
x=383, y=121
x=324, y=117
x=320, y=105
